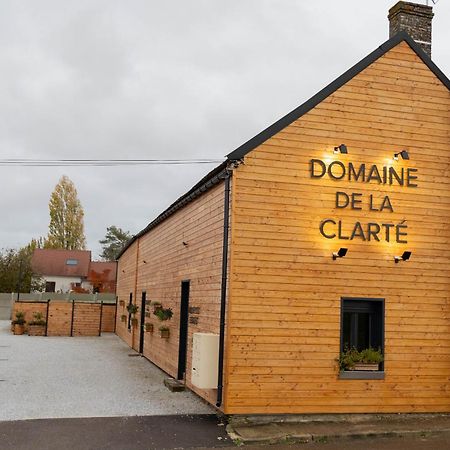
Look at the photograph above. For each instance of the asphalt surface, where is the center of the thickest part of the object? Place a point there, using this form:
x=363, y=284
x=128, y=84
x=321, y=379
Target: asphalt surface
x=66, y=377
x=115, y=433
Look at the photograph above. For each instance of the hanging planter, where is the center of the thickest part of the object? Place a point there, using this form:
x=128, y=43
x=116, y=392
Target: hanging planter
x=149, y=327
x=164, y=332
x=156, y=306
x=132, y=308
x=122, y=302
x=123, y=318
x=164, y=313
x=134, y=322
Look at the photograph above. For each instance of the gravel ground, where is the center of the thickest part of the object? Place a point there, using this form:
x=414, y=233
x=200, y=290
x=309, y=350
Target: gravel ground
x=49, y=377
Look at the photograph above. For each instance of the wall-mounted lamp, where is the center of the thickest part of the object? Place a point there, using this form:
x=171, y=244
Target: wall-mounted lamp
x=144, y=261
x=185, y=243
x=404, y=257
x=404, y=154
x=340, y=253
x=341, y=149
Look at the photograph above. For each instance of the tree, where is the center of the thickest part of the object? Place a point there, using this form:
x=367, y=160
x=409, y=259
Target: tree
x=115, y=240
x=66, y=228
x=16, y=271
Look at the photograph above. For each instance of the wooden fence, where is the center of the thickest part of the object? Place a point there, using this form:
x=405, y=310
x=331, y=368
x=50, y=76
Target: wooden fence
x=72, y=318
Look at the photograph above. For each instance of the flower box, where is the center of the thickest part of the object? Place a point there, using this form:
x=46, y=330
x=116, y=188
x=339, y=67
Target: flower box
x=122, y=302
x=134, y=322
x=123, y=318
x=149, y=327
x=36, y=330
x=164, y=333
x=370, y=367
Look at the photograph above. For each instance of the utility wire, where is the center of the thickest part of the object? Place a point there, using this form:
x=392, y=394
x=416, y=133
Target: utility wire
x=102, y=162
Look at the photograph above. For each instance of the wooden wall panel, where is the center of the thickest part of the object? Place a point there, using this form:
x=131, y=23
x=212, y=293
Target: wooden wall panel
x=186, y=246
x=126, y=284
x=285, y=289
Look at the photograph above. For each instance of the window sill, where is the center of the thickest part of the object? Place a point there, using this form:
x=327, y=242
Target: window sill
x=361, y=375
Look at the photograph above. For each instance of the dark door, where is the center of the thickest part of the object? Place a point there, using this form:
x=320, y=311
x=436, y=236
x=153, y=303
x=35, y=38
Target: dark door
x=184, y=312
x=142, y=323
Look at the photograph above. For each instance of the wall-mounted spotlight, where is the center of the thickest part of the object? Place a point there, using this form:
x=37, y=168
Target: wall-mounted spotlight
x=404, y=154
x=404, y=257
x=185, y=243
x=340, y=253
x=341, y=149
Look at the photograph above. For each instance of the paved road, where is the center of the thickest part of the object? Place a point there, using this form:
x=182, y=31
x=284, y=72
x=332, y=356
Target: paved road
x=115, y=433
x=63, y=377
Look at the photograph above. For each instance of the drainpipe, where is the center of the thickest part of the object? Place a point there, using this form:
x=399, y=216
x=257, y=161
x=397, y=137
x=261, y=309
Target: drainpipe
x=223, y=293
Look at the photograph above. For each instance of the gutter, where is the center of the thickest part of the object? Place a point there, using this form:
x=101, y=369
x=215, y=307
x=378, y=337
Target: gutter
x=223, y=293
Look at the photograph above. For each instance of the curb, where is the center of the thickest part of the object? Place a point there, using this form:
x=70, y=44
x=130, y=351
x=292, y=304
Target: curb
x=318, y=437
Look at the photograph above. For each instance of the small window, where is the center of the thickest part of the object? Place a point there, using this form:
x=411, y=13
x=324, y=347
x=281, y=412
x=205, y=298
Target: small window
x=72, y=262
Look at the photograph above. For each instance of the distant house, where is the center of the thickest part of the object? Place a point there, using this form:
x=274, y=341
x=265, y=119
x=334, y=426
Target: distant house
x=72, y=270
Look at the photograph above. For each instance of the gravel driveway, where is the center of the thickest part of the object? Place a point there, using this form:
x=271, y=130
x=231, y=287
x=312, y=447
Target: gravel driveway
x=49, y=377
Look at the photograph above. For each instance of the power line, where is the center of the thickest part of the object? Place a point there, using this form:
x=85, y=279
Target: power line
x=23, y=162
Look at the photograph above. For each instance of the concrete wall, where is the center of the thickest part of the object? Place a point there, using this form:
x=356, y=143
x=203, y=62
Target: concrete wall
x=5, y=306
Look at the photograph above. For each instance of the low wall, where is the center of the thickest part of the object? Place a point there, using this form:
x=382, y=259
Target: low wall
x=70, y=318
x=5, y=306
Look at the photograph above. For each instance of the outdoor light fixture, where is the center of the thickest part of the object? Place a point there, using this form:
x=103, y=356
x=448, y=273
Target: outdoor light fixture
x=404, y=154
x=340, y=253
x=404, y=257
x=341, y=149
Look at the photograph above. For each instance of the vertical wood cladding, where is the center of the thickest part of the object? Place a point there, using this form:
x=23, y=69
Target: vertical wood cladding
x=285, y=289
x=186, y=246
x=86, y=317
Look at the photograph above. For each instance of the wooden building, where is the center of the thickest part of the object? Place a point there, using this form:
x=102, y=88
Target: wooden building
x=329, y=228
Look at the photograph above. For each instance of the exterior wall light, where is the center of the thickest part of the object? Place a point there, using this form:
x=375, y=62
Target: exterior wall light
x=341, y=149
x=404, y=257
x=404, y=154
x=340, y=253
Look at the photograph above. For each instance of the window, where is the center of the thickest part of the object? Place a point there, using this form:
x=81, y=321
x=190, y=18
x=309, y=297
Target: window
x=71, y=262
x=362, y=326
x=50, y=286
x=362, y=323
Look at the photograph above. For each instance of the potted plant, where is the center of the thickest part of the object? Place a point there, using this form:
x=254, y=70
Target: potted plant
x=149, y=327
x=37, y=326
x=164, y=332
x=132, y=308
x=19, y=323
x=164, y=313
x=368, y=359
x=156, y=305
x=123, y=318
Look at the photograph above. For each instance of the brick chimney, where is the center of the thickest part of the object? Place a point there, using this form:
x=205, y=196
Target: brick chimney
x=415, y=20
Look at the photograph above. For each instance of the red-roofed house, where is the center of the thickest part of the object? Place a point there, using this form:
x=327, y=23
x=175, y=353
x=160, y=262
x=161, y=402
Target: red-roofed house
x=67, y=270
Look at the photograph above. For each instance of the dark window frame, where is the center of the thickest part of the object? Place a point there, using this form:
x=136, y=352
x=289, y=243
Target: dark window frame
x=380, y=301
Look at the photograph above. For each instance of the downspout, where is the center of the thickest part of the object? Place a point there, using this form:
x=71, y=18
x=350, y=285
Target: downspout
x=223, y=293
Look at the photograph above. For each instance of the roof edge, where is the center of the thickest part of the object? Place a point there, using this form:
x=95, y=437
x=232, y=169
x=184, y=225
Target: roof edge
x=206, y=183
x=295, y=114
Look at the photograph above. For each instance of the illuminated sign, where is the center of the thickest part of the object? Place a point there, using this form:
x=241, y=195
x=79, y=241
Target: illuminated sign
x=362, y=173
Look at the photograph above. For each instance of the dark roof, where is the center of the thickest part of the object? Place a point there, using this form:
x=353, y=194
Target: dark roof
x=54, y=262
x=218, y=173
x=254, y=142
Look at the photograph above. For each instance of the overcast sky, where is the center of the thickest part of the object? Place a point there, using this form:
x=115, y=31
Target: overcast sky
x=169, y=79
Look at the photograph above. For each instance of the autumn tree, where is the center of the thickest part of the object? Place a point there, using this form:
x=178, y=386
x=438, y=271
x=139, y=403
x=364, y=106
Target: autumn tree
x=66, y=228
x=115, y=240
